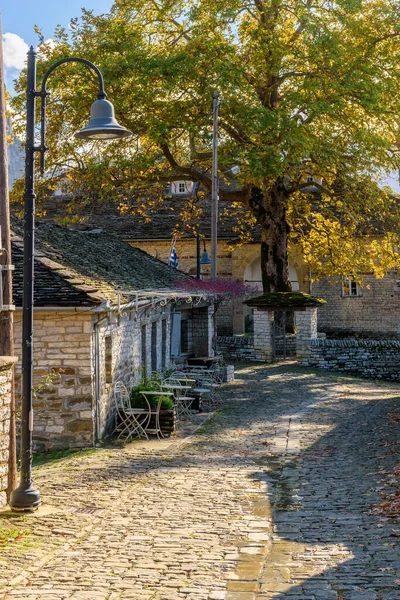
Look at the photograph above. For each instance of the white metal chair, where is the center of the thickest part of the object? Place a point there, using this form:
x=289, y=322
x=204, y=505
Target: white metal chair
x=156, y=429
x=129, y=421
x=182, y=400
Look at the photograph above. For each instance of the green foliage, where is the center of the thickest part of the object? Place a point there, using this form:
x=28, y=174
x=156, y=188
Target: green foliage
x=150, y=384
x=41, y=458
x=9, y=534
x=308, y=89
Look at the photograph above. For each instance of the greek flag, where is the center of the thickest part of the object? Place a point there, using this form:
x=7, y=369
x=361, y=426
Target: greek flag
x=173, y=259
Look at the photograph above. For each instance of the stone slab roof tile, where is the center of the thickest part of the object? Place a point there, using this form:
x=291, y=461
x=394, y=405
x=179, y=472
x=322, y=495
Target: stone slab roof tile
x=132, y=227
x=75, y=268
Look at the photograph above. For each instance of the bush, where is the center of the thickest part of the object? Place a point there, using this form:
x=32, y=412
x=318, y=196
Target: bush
x=150, y=385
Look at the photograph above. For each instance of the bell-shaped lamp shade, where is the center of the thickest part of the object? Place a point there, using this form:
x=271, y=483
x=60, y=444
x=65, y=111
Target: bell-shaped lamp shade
x=102, y=124
x=205, y=259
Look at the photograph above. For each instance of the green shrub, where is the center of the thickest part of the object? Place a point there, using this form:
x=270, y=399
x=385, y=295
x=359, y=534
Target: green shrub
x=152, y=384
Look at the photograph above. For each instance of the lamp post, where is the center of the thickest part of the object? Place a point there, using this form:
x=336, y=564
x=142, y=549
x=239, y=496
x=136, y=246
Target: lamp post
x=102, y=125
x=214, y=189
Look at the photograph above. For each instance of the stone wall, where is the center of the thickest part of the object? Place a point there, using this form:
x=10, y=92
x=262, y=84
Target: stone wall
x=79, y=356
x=306, y=331
x=290, y=343
x=236, y=347
x=6, y=364
x=358, y=314
x=62, y=403
x=69, y=350
x=263, y=335
x=126, y=353
x=377, y=359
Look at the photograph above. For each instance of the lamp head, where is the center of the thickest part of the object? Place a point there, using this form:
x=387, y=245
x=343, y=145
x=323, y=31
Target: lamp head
x=102, y=124
x=235, y=170
x=205, y=258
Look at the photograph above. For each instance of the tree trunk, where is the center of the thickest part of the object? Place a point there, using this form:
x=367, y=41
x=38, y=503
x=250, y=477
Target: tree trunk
x=269, y=208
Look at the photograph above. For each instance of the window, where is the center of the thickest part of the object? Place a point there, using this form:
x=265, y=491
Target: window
x=184, y=336
x=350, y=288
x=310, y=179
x=144, y=351
x=154, y=346
x=108, y=358
x=181, y=187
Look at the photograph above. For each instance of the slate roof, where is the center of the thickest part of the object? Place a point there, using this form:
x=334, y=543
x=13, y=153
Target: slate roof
x=76, y=268
x=133, y=227
x=285, y=301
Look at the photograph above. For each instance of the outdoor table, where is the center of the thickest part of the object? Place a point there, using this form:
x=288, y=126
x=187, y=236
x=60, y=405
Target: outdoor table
x=206, y=361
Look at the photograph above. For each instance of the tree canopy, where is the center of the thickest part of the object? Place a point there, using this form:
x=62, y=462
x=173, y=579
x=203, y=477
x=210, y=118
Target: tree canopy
x=309, y=89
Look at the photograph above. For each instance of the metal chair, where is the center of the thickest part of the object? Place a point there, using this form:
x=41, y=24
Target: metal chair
x=154, y=411
x=130, y=421
x=182, y=400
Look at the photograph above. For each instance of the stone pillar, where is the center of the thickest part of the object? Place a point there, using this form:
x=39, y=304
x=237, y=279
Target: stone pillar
x=263, y=328
x=306, y=331
x=6, y=363
x=203, y=331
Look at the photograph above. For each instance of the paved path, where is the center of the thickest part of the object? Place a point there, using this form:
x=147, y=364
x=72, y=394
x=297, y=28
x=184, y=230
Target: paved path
x=270, y=500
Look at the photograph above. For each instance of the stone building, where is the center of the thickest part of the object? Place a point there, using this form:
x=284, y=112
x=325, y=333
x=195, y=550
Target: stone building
x=239, y=262
x=104, y=312
x=373, y=309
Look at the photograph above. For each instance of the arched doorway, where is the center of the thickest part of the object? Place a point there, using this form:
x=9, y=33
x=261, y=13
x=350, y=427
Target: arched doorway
x=252, y=274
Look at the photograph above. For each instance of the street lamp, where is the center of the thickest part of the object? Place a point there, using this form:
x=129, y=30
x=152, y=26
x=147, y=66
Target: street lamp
x=204, y=259
x=102, y=125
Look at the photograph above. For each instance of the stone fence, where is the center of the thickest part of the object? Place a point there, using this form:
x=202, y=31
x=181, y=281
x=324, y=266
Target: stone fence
x=236, y=347
x=6, y=364
x=377, y=359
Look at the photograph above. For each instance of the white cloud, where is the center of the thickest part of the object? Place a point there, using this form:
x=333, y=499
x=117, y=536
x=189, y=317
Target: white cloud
x=14, y=51
x=48, y=44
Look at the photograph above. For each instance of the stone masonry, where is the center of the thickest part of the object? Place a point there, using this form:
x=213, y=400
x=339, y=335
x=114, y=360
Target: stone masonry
x=306, y=331
x=126, y=342
x=6, y=364
x=62, y=379
x=71, y=406
x=263, y=331
x=377, y=359
x=358, y=314
x=237, y=347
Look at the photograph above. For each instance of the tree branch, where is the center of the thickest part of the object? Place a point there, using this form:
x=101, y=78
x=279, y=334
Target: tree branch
x=194, y=154
x=193, y=174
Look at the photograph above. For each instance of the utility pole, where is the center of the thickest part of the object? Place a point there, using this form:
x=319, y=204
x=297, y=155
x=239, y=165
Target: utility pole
x=6, y=315
x=214, y=189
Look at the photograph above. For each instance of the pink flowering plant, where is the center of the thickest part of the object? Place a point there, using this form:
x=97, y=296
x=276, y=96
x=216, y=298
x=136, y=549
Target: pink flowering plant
x=218, y=291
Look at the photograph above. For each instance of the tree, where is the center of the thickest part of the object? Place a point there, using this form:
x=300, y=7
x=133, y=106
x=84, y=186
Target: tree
x=309, y=89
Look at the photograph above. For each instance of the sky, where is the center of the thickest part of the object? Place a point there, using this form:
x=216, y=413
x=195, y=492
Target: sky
x=19, y=18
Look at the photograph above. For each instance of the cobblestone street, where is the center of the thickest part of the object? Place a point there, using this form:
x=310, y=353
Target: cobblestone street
x=269, y=500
